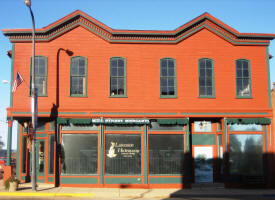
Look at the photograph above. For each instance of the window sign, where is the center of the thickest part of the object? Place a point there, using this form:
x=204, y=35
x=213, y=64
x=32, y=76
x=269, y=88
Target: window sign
x=123, y=154
x=202, y=126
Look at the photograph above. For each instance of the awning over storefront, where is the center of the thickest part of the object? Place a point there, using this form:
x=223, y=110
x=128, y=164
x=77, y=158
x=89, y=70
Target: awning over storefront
x=183, y=121
x=262, y=121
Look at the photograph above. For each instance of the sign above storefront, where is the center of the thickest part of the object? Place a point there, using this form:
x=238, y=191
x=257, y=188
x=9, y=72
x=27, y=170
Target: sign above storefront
x=121, y=121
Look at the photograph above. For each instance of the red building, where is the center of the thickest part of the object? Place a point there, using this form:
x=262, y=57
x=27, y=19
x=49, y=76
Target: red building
x=144, y=108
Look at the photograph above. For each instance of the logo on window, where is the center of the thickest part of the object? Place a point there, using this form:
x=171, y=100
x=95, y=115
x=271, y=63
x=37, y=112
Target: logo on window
x=111, y=152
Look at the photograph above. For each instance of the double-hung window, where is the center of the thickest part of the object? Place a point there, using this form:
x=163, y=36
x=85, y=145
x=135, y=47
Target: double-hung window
x=40, y=64
x=117, y=77
x=206, y=78
x=243, y=80
x=168, y=78
x=78, y=76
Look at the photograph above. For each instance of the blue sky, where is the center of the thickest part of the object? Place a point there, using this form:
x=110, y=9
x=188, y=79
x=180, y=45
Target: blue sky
x=249, y=16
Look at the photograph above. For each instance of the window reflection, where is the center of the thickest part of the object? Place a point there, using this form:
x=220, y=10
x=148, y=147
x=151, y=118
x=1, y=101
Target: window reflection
x=246, y=154
x=166, y=153
x=245, y=127
x=79, y=154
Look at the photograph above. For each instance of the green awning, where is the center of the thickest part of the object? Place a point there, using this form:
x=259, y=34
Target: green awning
x=78, y=121
x=183, y=121
x=62, y=121
x=262, y=121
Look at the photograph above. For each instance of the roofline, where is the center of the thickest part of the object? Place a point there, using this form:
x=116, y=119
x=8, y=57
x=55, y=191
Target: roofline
x=109, y=32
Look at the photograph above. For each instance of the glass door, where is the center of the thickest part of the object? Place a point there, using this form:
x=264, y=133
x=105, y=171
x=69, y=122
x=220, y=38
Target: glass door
x=203, y=162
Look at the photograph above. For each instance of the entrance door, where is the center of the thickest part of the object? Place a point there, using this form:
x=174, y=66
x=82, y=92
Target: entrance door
x=40, y=159
x=203, y=162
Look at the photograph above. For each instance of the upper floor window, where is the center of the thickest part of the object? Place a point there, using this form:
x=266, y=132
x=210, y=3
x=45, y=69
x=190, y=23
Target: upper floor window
x=40, y=64
x=168, y=77
x=117, y=77
x=78, y=76
x=206, y=78
x=243, y=80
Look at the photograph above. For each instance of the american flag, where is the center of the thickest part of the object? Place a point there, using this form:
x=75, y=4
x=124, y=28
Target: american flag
x=18, y=80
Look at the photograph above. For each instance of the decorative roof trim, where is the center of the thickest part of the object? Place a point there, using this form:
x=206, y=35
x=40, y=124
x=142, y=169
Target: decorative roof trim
x=78, y=18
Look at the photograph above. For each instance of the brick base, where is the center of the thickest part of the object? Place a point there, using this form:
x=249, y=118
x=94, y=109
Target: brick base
x=7, y=172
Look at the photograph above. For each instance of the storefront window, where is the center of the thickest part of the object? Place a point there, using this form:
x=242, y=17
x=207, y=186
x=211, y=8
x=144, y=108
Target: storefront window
x=166, y=154
x=79, y=153
x=246, y=154
x=123, y=154
x=245, y=127
x=157, y=127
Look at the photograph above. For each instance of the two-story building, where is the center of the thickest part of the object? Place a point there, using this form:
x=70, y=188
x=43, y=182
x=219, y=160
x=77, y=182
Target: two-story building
x=124, y=108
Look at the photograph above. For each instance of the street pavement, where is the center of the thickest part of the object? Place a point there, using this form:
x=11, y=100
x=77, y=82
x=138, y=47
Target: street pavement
x=198, y=192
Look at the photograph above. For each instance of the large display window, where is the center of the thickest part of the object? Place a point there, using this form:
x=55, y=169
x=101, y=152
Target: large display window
x=79, y=154
x=246, y=154
x=123, y=154
x=166, y=153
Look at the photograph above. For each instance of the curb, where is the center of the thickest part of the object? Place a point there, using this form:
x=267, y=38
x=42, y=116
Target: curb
x=38, y=194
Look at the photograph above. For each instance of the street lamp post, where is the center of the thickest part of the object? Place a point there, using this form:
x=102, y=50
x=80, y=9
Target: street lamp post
x=33, y=100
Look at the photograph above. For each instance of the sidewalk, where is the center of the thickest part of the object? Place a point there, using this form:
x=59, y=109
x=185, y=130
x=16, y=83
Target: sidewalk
x=47, y=190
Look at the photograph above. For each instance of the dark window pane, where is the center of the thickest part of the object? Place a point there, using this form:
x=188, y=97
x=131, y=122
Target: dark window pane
x=164, y=91
x=171, y=71
x=202, y=81
x=171, y=82
x=166, y=154
x=202, y=91
x=209, y=81
x=51, y=155
x=81, y=70
x=245, y=65
x=209, y=72
x=163, y=71
x=113, y=63
x=114, y=81
x=120, y=71
x=79, y=154
x=163, y=63
x=201, y=63
x=170, y=63
x=120, y=63
x=202, y=71
x=239, y=65
x=123, y=154
x=246, y=154
x=208, y=64
x=113, y=71
x=171, y=91
x=245, y=73
x=209, y=91
x=239, y=73
x=163, y=82
x=24, y=151
x=82, y=62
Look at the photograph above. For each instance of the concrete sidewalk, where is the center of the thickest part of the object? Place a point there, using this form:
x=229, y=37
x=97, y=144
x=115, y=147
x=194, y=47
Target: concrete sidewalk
x=47, y=190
